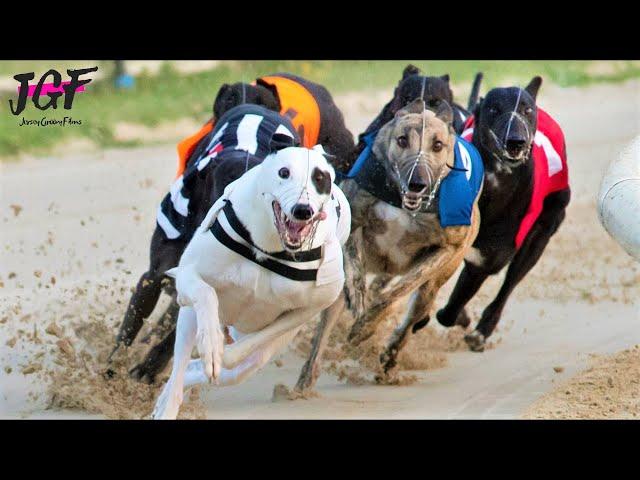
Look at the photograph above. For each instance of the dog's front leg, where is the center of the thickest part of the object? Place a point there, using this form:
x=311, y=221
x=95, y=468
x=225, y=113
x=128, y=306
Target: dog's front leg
x=238, y=351
x=194, y=291
x=169, y=401
x=365, y=326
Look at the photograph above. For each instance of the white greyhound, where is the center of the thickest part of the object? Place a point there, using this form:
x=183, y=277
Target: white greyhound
x=235, y=274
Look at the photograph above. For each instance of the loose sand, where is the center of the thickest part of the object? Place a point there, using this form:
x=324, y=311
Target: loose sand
x=609, y=388
x=74, y=236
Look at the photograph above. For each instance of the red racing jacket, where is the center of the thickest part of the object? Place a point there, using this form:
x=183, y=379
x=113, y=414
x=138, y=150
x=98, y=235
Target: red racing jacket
x=550, y=171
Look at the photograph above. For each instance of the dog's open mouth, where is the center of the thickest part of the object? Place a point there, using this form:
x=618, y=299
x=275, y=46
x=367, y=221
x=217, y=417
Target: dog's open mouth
x=411, y=201
x=293, y=233
x=514, y=155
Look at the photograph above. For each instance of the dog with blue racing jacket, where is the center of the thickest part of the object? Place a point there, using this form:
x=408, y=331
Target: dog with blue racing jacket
x=414, y=194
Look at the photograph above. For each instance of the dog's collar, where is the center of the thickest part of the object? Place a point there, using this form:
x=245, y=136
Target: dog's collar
x=271, y=261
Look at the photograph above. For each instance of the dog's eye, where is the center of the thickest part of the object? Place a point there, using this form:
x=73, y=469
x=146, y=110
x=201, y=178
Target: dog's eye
x=402, y=141
x=283, y=172
x=528, y=110
x=437, y=146
x=493, y=110
x=434, y=102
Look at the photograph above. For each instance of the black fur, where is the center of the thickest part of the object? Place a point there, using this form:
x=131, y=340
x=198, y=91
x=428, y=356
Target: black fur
x=502, y=207
x=165, y=254
x=334, y=136
x=436, y=90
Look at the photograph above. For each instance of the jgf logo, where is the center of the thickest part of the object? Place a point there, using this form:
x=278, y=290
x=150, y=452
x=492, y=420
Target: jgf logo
x=53, y=90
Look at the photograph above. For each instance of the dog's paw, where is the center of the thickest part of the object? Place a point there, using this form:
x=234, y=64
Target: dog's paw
x=210, y=342
x=142, y=373
x=168, y=403
x=463, y=320
x=420, y=324
x=447, y=320
x=476, y=341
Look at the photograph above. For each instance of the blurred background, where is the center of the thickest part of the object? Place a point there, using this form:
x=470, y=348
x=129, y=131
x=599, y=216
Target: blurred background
x=162, y=101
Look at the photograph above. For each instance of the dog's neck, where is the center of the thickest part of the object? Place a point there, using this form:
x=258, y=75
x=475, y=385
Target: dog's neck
x=496, y=165
x=255, y=214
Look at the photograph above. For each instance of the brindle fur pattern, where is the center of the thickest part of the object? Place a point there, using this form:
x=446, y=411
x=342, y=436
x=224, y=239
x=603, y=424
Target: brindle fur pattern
x=407, y=252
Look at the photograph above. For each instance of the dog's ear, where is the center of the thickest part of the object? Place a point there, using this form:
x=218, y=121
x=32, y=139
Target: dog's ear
x=445, y=112
x=271, y=88
x=280, y=141
x=320, y=149
x=476, y=110
x=410, y=70
x=445, y=77
x=534, y=86
x=383, y=138
x=216, y=103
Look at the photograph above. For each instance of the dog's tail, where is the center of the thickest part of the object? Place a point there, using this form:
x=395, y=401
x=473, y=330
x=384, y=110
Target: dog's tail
x=475, y=91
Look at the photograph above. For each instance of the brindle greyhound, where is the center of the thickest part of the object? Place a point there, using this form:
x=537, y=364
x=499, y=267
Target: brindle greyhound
x=406, y=248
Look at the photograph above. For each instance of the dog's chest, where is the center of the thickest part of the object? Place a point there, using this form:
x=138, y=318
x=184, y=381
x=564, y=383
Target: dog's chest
x=394, y=238
x=252, y=298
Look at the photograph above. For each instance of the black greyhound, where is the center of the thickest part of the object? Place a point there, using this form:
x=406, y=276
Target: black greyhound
x=434, y=90
x=504, y=135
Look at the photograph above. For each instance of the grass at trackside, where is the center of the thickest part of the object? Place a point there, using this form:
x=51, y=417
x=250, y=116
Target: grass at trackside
x=170, y=95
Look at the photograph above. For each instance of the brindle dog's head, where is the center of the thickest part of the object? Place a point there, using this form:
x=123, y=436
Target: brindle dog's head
x=416, y=147
x=506, y=122
x=239, y=93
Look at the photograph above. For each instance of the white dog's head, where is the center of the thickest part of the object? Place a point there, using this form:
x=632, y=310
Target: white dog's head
x=296, y=184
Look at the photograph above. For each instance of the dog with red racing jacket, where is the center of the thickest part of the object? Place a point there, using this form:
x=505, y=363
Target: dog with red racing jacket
x=524, y=198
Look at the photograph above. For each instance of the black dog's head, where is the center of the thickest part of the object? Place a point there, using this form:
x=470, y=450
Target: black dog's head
x=506, y=121
x=239, y=93
x=436, y=89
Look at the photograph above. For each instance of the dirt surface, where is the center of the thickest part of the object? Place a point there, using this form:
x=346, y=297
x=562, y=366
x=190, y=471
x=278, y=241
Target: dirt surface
x=74, y=236
x=608, y=389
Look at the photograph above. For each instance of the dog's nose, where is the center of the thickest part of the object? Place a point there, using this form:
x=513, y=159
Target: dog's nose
x=302, y=212
x=417, y=186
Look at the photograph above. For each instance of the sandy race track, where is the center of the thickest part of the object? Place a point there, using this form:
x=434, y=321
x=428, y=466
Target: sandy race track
x=74, y=238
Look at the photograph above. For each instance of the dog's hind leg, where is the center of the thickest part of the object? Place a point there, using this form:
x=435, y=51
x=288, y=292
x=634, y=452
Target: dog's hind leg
x=157, y=358
x=399, y=287
x=246, y=368
x=155, y=361
x=235, y=353
x=169, y=401
x=311, y=369
x=418, y=312
x=165, y=254
x=524, y=260
x=166, y=322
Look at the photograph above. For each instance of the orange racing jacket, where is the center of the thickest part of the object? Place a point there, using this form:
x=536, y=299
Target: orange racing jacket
x=296, y=102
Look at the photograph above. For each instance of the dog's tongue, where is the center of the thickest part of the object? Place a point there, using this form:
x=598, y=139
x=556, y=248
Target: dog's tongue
x=296, y=231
